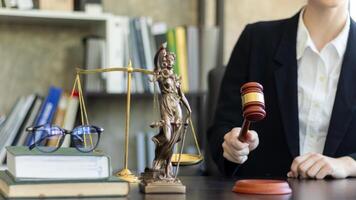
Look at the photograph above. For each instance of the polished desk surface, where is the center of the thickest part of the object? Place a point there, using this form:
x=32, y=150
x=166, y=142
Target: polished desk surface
x=200, y=187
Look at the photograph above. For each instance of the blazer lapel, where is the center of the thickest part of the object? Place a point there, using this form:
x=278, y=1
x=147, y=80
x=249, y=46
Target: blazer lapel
x=345, y=96
x=286, y=83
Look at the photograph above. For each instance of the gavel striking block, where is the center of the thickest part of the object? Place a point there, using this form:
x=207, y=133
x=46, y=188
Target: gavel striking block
x=253, y=108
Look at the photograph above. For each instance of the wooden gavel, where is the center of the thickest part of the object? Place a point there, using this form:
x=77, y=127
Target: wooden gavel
x=253, y=106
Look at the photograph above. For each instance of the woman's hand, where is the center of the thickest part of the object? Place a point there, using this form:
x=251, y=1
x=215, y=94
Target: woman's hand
x=237, y=151
x=318, y=166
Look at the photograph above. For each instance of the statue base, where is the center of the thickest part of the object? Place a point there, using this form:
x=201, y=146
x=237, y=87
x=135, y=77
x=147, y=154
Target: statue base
x=152, y=182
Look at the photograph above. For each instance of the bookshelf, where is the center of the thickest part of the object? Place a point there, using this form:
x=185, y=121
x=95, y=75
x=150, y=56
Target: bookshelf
x=107, y=106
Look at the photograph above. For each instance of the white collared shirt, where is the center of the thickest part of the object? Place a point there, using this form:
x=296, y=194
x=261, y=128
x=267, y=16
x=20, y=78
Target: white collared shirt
x=318, y=75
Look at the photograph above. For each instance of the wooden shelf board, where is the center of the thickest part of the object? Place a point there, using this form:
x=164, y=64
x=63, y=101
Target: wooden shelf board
x=40, y=16
x=92, y=95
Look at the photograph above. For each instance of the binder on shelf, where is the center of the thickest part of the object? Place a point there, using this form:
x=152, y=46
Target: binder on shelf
x=141, y=151
x=13, y=124
x=95, y=56
x=150, y=146
x=171, y=44
x=115, y=81
x=70, y=117
x=47, y=110
x=209, y=48
x=30, y=121
x=159, y=30
x=134, y=54
x=181, y=48
x=193, y=58
x=141, y=52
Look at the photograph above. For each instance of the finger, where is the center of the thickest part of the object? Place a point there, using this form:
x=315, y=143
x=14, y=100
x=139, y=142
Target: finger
x=229, y=157
x=236, y=144
x=235, y=131
x=296, y=162
x=239, y=160
x=242, y=152
x=313, y=170
x=290, y=175
x=324, y=171
x=306, y=164
x=251, y=136
x=252, y=139
x=235, y=153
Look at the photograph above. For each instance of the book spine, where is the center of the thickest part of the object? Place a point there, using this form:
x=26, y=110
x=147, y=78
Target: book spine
x=141, y=152
x=94, y=58
x=31, y=101
x=193, y=58
x=60, y=113
x=150, y=148
x=69, y=119
x=59, y=119
x=48, y=109
x=115, y=81
x=30, y=122
x=171, y=44
x=148, y=54
x=209, y=53
x=134, y=54
x=141, y=52
x=181, y=44
x=19, y=117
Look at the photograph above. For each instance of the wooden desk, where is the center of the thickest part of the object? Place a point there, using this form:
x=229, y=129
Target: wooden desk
x=219, y=189
x=200, y=187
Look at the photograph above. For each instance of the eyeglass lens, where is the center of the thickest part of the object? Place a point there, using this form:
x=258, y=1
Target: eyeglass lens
x=49, y=139
x=85, y=138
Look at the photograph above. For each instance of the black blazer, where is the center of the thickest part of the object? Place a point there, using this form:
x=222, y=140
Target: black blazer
x=266, y=53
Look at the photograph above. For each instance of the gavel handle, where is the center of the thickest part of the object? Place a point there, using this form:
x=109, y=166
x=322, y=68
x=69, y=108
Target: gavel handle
x=244, y=129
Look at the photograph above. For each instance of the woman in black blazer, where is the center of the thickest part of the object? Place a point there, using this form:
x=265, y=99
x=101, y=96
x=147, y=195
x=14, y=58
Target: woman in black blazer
x=271, y=54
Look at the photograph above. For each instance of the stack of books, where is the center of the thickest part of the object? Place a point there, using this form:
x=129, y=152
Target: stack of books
x=64, y=173
x=57, y=108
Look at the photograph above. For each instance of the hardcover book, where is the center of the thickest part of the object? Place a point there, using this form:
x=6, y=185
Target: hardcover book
x=12, y=188
x=63, y=164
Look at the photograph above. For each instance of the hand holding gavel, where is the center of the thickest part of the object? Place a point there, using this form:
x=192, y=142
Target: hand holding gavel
x=240, y=141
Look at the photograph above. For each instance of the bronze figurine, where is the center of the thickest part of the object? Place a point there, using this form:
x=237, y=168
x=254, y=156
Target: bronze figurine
x=172, y=125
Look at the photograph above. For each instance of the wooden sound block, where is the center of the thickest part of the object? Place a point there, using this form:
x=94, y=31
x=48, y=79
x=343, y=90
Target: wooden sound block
x=262, y=186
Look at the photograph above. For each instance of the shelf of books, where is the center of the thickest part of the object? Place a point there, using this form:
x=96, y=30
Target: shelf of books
x=137, y=40
x=115, y=41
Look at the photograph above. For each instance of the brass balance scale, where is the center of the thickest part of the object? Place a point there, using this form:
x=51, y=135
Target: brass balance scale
x=178, y=159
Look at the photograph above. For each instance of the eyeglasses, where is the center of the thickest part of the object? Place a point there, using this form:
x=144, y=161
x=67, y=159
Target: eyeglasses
x=85, y=138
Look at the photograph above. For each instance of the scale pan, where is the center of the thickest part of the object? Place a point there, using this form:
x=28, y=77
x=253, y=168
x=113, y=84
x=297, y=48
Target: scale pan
x=186, y=159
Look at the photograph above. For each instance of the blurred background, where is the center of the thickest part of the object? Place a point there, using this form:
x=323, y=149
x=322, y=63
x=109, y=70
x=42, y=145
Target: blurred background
x=43, y=41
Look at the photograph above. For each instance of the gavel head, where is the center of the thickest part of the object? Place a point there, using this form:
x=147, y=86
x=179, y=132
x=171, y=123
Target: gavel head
x=253, y=104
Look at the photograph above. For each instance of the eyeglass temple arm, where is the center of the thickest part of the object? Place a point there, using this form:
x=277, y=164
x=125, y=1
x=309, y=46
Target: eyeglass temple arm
x=99, y=129
x=36, y=142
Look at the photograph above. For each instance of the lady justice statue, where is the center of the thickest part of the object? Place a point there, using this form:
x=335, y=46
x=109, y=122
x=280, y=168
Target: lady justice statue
x=172, y=126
